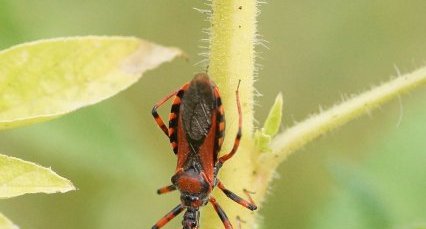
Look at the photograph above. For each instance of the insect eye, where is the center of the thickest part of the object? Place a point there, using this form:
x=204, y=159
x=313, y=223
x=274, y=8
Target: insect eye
x=190, y=198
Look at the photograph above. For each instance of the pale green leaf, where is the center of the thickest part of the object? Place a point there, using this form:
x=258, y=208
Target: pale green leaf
x=262, y=141
x=5, y=223
x=273, y=121
x=263, y=137
x=18, y=177
x=44, y=79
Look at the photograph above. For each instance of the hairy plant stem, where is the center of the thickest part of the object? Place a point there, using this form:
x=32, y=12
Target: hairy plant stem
x=232, y=40
x=308, y=130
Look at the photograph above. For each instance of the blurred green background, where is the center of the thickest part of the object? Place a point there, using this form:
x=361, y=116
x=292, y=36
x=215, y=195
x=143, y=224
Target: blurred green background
x=368, y=174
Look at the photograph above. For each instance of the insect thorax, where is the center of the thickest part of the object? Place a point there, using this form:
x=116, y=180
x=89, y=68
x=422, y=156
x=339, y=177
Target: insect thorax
x=194, y=189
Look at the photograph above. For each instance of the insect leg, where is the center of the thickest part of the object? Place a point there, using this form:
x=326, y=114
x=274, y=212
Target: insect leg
x=166, y=189
x=157, y=117
x=247, y=204
x=238, y=137
x=172, y=214
x=221, y=213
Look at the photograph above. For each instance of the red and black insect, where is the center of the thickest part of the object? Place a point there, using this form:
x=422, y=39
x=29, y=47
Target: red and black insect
x=196, y=132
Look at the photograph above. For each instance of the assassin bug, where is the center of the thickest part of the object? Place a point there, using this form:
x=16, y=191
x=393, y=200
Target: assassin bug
x=196, y=133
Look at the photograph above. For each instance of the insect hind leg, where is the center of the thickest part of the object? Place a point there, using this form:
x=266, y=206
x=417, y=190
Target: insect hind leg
x=239, y=133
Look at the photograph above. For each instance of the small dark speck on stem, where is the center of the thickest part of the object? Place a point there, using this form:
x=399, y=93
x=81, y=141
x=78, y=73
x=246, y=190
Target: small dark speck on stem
x=239, y=26
x=240, y=8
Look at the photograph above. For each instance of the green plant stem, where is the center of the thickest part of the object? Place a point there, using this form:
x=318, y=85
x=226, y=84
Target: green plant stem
x=303, y=133
x=232, y=40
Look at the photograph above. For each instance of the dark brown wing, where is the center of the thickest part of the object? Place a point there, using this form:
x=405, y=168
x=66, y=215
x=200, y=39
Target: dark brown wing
x=197, y=110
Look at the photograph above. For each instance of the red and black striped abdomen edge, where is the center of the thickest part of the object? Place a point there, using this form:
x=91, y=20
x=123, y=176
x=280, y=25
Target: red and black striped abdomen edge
x=174, y=117
x=220, y=123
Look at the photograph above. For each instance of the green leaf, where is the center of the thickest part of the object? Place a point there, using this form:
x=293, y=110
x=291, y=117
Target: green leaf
x=273, y=121
x=5, y=223
x=262, y=141
x=18, y=177
x=263, y=137
x=44, y=79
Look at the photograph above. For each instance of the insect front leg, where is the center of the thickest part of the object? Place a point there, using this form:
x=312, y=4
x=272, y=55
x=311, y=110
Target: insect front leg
x=172, y=214
x=247, y=204
x=166, y=189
